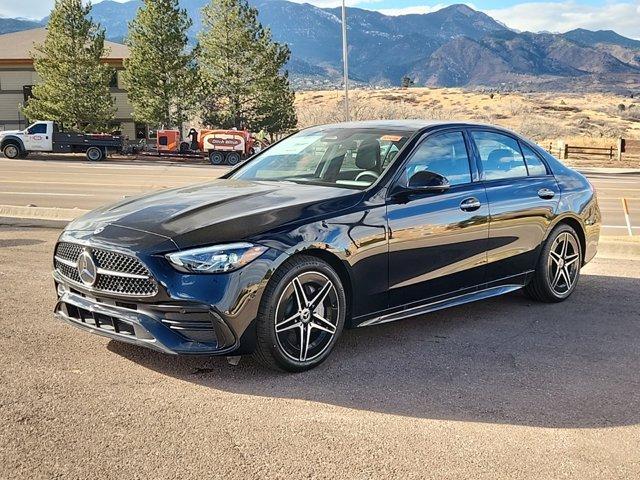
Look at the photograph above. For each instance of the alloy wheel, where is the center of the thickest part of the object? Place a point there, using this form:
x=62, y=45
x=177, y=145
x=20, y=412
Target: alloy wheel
x=307, y=316
x=563, y=263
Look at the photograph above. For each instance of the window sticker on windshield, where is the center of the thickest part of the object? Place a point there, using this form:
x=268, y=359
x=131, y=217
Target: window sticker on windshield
x=391, y=138
x=295, y=145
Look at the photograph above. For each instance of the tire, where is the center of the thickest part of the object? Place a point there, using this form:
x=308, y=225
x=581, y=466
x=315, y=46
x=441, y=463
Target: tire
x=216, y=158
x=233, y=158
x=184, y=147
x=558, y=268
x=11, y=150
x=94, y=154
x=292, y=338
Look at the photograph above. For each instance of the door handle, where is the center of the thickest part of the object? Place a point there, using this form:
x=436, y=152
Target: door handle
x=470, y=204
x=546, y=193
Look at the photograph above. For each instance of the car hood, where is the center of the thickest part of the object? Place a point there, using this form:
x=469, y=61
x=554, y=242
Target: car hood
x=219, y=211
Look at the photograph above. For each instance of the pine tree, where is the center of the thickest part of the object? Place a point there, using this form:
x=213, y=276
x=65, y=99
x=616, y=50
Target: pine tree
x=160, y=71
x=242, y=70
x=75, y=82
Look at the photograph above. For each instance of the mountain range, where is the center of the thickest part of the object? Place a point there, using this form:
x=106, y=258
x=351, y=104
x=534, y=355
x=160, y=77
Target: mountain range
x=454, y=46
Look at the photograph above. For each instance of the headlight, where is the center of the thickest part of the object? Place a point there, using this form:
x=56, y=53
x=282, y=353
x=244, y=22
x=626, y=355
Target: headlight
x=216, y=259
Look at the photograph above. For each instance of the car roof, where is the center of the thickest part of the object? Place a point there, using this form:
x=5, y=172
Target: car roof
x=414, y=125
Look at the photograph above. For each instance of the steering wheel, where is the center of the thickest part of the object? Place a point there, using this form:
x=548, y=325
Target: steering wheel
x=368, y=173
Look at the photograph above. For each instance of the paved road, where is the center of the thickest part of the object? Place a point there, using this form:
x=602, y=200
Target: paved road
x=504, y=388
x=86, y=185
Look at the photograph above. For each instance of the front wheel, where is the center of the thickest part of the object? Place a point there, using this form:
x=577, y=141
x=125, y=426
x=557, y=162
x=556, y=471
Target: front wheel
x=558, y=267
x=11, y=151
x=301, y=315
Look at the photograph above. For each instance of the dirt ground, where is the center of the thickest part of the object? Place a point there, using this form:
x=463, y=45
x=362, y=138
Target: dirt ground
x=504, y=388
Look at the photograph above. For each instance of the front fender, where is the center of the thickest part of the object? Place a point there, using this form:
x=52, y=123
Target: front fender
x=11, y=139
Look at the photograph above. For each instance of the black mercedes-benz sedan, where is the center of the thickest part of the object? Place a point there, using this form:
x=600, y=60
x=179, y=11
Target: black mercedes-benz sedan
x=334, y=227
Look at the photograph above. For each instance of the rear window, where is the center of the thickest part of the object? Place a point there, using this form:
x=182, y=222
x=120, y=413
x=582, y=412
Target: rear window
x=535, y=166
x=500, y=154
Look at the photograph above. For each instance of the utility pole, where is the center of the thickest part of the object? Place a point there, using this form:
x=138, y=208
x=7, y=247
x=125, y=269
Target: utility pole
x=345, y=60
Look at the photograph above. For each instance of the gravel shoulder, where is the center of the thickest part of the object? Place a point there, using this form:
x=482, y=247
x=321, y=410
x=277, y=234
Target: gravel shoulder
x=504, y=388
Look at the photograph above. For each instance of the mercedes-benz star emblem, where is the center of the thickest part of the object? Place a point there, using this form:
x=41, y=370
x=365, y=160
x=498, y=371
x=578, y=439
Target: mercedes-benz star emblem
x=87, y=269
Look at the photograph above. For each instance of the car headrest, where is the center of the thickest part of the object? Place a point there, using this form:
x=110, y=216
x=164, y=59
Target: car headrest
x=368, y=155
x=500, y=156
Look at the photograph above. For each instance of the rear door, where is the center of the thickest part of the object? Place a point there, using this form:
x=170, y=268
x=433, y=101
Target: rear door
x=523, y=198
x=438, y=241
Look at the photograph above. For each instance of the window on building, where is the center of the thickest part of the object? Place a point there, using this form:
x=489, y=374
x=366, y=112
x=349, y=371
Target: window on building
x=113, y=82
x=141, y=131
x=27, y=92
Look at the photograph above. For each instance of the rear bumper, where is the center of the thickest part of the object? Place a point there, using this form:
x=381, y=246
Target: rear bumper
x=167, y=328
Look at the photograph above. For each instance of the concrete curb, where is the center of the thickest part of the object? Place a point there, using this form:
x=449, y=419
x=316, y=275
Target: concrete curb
x=608, y=170
x=625, y=248
x=46, y=217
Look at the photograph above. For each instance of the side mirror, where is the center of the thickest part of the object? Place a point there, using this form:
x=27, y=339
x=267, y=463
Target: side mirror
x=425, y=181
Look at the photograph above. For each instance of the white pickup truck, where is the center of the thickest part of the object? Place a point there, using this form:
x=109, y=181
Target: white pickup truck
x=46, y=136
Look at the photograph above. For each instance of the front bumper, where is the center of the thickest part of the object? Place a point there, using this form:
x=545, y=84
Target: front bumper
x=173, y=328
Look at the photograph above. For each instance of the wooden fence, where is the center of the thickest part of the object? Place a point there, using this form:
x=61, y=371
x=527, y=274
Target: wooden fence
x=624, y=148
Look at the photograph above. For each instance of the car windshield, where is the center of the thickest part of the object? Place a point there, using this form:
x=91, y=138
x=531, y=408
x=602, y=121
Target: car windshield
x=333, y=156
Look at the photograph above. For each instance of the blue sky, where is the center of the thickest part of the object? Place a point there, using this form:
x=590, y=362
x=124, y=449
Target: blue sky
x=622, y=16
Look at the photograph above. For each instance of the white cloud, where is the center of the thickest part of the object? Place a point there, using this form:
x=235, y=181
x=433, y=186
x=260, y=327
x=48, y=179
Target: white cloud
x=622, y=17
x=338, y=3
x=418, y=9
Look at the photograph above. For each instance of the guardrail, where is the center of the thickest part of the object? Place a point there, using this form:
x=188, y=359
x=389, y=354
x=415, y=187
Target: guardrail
x=625, y=147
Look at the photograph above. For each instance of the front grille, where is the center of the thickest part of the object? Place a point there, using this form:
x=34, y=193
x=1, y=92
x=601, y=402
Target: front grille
x=117, y=273
x=99, y=320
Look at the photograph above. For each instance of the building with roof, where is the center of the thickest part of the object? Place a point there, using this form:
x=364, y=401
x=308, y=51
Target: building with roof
x=17, y=77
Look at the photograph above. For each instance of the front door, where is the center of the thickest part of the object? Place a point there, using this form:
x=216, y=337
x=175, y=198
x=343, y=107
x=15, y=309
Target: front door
x=36, y=138
x=438, y=241
x=523, y=198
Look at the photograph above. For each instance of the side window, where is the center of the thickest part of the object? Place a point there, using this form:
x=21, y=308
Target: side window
x=37, y=128
x=534, y=164
x=445, y=154
x=500, y=155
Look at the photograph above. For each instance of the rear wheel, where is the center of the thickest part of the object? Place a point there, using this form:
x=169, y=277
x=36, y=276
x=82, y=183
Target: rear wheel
x=233, y=158
x=94, y=154
x=11, y=150
x=558, y=267
x=301, y=315
x=216, y=158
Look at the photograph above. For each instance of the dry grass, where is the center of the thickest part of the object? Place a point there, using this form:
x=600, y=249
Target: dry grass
x=584, y=119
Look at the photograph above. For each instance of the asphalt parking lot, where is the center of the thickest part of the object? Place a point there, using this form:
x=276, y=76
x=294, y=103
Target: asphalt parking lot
x=504, y=388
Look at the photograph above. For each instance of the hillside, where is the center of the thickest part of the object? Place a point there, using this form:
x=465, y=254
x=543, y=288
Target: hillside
x=543, y=117
x=9, y=25
x=455, y=46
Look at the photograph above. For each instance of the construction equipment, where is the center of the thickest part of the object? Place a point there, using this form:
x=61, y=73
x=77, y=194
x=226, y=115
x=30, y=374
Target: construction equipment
x=219, y=146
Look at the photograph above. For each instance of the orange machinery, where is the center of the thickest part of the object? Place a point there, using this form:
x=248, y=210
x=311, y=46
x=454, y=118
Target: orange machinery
x=220, y=146
x=168, y=141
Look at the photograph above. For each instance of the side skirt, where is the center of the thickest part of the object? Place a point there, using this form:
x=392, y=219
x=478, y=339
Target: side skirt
x=449, y=302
